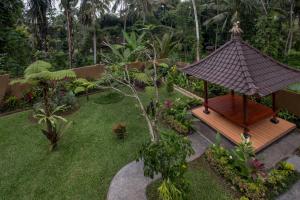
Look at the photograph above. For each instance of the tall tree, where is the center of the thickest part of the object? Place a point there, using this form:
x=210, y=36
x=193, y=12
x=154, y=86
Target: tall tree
x=68, y=7
x=37, y=13
x=197, y=30
x=89, y=11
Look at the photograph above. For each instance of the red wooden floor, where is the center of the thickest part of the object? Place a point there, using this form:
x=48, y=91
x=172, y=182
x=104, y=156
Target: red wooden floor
x=262, y=133
x=231, y=108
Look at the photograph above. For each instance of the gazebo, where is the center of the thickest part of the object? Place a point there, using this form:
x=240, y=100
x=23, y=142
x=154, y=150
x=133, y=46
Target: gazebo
x=245, y=71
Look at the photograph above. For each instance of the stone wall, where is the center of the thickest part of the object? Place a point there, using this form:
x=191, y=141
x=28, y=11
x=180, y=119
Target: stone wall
x=19, y=89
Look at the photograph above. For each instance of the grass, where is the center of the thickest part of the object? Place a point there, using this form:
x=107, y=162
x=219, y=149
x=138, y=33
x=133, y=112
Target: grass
x=204, y=184
x=109, y=97
x=87, y=158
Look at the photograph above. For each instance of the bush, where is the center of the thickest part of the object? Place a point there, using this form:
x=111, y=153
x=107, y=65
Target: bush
x=261, y=186
x=120, y=130
x=176, y=125
x=285, y=114
x=66, y=98
x=10, y=103
x=168, y=157
x=170, y=85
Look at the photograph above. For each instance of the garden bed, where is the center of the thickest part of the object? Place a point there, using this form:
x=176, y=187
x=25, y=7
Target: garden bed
x=204, y=184
x=247, y=174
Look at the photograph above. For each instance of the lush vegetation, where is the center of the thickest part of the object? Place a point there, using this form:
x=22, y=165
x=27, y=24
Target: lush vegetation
x=167, y=157
x=72, y=33
x=176, y=114
x=202, y=181
x=248, y=174
x=138, y=41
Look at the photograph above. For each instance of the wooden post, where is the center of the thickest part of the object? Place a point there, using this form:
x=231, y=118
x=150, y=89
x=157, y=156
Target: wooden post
x=274, y=118
x=232, y=92
x=206, y=111
x=245, y=114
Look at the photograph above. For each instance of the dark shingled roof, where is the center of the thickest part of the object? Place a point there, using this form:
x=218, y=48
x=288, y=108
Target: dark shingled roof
x=244, y=69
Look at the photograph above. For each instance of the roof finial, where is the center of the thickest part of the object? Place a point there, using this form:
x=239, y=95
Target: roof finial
x=236, y=31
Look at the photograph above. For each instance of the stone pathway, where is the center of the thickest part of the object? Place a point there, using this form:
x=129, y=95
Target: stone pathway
x=130, y=183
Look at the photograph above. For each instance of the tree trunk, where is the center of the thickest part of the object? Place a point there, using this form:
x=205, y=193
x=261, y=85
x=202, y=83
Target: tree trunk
x=197, y=31
x=94, y=33
x=95, y=46
x=124, y=27
x=291, y=25
x=264, y=7
x=70, y=45
x=289, y=40
x=50, y=133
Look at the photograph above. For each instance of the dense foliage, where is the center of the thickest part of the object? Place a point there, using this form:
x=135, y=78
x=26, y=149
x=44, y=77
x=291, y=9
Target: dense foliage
x=248, y=174
x=176, y=114
x=168, y=157
x=74, y=33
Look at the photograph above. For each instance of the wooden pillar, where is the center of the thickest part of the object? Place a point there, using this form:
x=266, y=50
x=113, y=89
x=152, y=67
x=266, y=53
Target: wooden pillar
x=274, y=118
x=232, y=92
x=245, y=115
x=206, y=111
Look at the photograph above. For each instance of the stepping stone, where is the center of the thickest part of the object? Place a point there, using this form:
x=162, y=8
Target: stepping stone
x=295, y=160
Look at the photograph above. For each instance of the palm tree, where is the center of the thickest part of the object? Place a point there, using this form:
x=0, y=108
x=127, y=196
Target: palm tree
x=227, y=11
x=68, y=6
x=140, y=8
x=89, y=10
x=37, y=13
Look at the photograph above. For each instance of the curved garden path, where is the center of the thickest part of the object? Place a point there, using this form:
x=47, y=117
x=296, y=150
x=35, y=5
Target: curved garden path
x=130, y=183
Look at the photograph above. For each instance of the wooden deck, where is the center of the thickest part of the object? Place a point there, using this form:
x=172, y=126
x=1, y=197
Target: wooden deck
x=231, y=107
x=263, y=133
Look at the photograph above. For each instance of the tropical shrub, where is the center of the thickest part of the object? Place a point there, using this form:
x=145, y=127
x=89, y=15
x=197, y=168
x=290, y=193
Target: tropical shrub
x=168, y=157
x=176, y=114
x=10, y=103
x=247, y=174
x=120, y=130
x=81, y=85
x=66, y=98
x=285, y=114
x=170, y=85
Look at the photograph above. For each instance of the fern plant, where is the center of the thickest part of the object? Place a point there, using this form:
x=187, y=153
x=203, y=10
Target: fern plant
x=39, y=75
x=81, y=85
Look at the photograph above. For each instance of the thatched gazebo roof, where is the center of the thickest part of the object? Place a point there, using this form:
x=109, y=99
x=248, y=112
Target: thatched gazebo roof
x=244, y=69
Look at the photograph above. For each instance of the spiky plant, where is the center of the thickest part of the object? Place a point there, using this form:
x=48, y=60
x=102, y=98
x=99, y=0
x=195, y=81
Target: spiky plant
x=55, y=125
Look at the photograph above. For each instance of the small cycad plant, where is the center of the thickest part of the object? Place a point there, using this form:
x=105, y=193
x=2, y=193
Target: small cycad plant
x=54, y=125
x=120, y=130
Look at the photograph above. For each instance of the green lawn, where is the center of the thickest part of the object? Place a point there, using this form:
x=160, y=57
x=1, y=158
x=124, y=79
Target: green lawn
x=204, y=184
x=87, y=158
